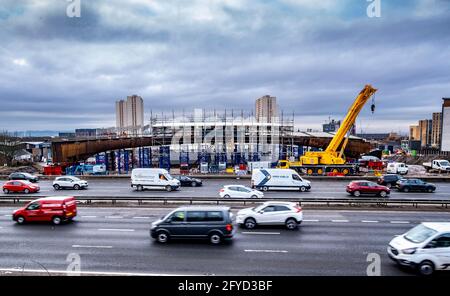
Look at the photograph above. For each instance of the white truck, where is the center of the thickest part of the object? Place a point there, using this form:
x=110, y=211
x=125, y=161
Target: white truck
x=397, y=168
x=153, y=178
x=278, y=179
x=439, y=165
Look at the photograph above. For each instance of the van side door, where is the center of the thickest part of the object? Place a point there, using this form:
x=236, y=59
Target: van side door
x=33, y=212
x=176, y=223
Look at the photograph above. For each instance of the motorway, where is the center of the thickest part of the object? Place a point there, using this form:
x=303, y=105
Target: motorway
x=116, y=240
x=320, y=189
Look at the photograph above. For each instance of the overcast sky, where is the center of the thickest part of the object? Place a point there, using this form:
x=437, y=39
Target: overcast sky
x=62, y=73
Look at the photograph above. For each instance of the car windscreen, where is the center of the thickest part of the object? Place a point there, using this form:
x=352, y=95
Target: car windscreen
x=445, y=163
x=419, y=234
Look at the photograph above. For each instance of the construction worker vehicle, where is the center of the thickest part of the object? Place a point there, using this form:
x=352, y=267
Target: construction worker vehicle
x=332, y=161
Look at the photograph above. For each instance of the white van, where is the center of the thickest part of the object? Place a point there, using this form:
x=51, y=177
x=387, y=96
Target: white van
x=425, y=247
x=153, y=178
x=397, y=168
x=279, y=179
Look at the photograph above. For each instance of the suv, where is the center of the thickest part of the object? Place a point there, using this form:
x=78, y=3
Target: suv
x=357, y=188
x=389, y=180
x=425, y=247
x=69, y=182
x=407, y=185
x=271, y=213
x=207, y=222
x=23, y=176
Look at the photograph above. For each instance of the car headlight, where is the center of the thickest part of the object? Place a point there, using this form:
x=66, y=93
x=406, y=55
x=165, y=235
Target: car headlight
x=409, y=251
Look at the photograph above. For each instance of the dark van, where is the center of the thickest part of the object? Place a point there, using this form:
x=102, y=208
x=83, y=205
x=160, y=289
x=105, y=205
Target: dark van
x=204, y=222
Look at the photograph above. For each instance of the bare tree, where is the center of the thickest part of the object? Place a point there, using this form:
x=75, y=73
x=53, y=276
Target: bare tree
x=8, y=147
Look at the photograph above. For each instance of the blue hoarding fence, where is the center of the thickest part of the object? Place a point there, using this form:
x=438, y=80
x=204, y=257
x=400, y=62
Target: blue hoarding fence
x=164, y=157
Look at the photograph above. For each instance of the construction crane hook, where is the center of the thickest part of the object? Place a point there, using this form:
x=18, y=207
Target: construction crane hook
x=372, y=107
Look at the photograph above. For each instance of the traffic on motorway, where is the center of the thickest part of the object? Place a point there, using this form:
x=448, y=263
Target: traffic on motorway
x=262, y=180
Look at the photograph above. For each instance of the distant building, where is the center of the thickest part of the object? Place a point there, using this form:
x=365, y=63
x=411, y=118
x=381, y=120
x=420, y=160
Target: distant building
x=425, y=131
x=414, y=134
x=436, y=130
x=66, y=135
x=374, y=137
x=130, y=113
x=85, y=132
x=266, y=108
x=445, y=130
x=333, y=125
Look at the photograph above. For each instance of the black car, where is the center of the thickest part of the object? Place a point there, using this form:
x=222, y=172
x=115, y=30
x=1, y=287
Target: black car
x=407, y=185
x=389, y=180
x=188, y=181
x=23, y=176
x=208, y=222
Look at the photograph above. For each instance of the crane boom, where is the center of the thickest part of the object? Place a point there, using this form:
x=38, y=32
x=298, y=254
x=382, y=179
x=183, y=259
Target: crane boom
x=350, y=118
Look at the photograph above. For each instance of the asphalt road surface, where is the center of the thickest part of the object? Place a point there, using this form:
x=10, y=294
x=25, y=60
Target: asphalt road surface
x=116, y=240
x=210, y=188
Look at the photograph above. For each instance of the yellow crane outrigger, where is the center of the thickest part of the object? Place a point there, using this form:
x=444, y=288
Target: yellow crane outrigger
x=333, y=159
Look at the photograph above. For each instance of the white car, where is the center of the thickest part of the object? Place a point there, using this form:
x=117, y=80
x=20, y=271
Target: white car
x=239, y=191
x=425, y=247
x=397, y=168
x=69, y=182
x=271, y=213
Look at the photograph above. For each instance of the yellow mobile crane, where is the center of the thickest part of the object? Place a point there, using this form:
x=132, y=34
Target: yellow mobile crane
x=333, y=159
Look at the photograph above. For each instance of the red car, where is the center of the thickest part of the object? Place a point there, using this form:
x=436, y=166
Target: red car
x=20, y=186
x=357, y=188
x=49, y=209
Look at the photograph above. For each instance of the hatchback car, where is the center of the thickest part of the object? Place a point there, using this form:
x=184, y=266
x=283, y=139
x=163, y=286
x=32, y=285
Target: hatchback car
x=49, y=209
x=20, y=186
x=426, y=247
x=239, y=191
x=407, y=185
x=357, y=188
x=23, y=176
x=69, y=182
x=389, y=180
x=271, y=213
x=207, y=222
x=189, y=181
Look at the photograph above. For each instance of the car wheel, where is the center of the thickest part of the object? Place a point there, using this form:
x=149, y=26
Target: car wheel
x=57, y=187
x=140, y=188
x=20, y=220
x=5, y=190
x=426, y=268
x=250, y=223
x=76, y=187
x=226, y=196
x=291, y=224
x=26, y=190
x=302, y=188
x=265, y=188
x=430, y=190
x=193, y=184
x=357, y=193
x=56, y=220
x=383, y=193
x=168, y=188
x=162, y=237
x=253, y=196
x=215, y=238
x=406, y=189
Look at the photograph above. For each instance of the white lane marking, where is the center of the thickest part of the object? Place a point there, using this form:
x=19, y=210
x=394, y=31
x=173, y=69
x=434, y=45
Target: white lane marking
x=113, y=229
x=369, y=221
x=259, y=232
x=141, y=217
x=113, y=217
x=400, y=222
x=9, y=215
x=266, y=251
x=95, y=247
x=339, y=221
x=39, y=271
x=88, y=216
x=1, y=227
x=311, y=220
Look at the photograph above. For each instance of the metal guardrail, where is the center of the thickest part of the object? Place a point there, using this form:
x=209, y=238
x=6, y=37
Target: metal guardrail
x=382, y=202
